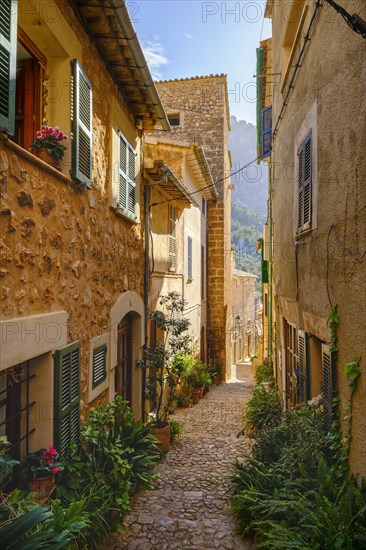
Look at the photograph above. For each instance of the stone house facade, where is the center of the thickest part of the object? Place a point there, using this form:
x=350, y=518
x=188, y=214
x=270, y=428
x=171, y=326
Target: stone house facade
x=318, y=200
x=243, y=317
x=71, y=246
x=198, y=112
x=181, y=186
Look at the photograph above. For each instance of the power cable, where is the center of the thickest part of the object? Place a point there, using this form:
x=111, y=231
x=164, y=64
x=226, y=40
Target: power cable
x=211, y=185
x=355, y=22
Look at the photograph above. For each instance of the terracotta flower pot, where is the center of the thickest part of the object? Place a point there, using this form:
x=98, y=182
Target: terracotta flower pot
x=163, y=435
x=50, y=159
x=195, y=396
x=42, y=485
x=186, y=405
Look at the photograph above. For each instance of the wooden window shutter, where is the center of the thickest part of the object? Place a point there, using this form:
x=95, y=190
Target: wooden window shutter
x=81, y=126
x=202, y=271
x=126, y=177
x=303, y=382
x=67, y=398
x=328, y=384
x=99, y=365
x=8, y=52
x=305, y=185
x=190, y=259
x=267, y=132
x=172, y=237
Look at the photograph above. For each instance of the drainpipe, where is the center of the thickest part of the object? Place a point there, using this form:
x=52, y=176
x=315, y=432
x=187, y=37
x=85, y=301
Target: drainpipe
x=147, y=194
x=270, y=331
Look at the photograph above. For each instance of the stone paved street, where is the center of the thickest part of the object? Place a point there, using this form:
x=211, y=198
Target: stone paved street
x=189, y=506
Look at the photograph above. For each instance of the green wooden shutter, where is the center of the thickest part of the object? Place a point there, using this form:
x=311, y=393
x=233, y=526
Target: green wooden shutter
x=302, y=343
x=67, y=398
x=328, y=384
x=305, y=185
x=126, y=177
x=81, y=125
x=8, y=61
x=172, y=237
x=99, y=365
x=190, y=259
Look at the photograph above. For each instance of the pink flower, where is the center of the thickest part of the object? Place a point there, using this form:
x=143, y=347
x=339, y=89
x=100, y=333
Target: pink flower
x=52, y=450
x=55, y=470
x=59, y=142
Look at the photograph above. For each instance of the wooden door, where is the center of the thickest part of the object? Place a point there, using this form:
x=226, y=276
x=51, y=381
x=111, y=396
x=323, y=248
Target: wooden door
x=124, y=361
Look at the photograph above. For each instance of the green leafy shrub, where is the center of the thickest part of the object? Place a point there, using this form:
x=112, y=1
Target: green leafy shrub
x=176, y=430
x=294, y=493
x=117, y=453
x=263, y=409
x=264, y=373
x=7, y=463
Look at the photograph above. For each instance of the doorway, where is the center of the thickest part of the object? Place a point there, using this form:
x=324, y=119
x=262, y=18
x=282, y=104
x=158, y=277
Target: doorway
x=123, y=373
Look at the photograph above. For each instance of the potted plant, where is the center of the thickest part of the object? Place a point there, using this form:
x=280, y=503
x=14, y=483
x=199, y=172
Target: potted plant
x=40, y=469
x=216, y=373
x=184, y=401
x=197, y=377
x=48, y=145
x=162, y=368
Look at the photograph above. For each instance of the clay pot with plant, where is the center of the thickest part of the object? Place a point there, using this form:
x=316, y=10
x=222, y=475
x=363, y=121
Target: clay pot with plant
x=48, y=145
x=39, y=469
x=162, y=369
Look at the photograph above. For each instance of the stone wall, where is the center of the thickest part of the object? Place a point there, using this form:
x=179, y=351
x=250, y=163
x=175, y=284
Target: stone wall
x=204, y=119
x=61, y=246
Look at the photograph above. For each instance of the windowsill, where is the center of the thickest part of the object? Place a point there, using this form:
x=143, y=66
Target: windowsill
x=124, y=215
x=35, y=160
x=304, y=233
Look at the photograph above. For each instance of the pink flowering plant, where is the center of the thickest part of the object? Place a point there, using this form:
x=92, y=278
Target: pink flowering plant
x=42, y=463
x=51, y=139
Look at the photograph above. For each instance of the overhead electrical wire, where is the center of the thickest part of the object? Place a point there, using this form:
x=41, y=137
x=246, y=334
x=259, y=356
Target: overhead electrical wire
x=211, y=185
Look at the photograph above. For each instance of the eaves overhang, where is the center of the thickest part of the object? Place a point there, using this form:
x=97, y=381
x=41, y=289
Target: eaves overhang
x=202, y=172
x=109, y=25
x=172, y=187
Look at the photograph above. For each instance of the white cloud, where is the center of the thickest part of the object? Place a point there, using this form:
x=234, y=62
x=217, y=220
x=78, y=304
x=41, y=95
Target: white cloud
x=188, y=36
x=154, y=53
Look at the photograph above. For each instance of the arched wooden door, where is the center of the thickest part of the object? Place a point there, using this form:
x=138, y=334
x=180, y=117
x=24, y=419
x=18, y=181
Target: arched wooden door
x=123, y=382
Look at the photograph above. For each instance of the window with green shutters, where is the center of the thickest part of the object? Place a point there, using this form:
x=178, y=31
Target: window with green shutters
x=81, y=125
x=328, y=384
x=99, y=365
x=190, y=259
x=126, y=177
x=303, y=382
x=305, y=185
x=8, y=51
x=67, y=398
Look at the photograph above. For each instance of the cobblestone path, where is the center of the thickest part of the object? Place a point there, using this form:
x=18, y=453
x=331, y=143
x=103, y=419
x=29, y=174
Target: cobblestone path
x=188, y=509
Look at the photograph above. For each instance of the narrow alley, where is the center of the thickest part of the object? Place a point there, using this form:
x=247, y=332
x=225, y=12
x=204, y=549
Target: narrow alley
x=189, y=507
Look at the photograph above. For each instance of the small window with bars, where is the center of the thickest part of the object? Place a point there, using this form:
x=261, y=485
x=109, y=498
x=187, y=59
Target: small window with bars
x=190, y=259
x=304, y=209
x=172, y=238
x=126, y=177
x=99, y=365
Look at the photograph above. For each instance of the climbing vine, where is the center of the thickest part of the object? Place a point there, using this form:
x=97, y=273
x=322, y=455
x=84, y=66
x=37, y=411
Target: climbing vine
x=352, y=372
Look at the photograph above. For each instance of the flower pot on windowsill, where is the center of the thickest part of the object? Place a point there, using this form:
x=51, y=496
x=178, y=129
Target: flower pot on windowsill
x=43, y=486
x=52, y=160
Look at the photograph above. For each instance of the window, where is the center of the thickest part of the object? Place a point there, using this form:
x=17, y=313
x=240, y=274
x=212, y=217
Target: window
x=204, y=206
x=174, y=119
x=267, y=132
x=99, y=365
x=8, y=47
x=328, y=384
x=67, y=398
x=303, y=370
x=291, y=363
x=126, y=177
x=15, y=406
x=172, y=237
x=81, y=125
x=190, y=259
x=304, y=185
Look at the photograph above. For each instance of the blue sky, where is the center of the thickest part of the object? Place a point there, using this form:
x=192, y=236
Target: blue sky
x=184, y=38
